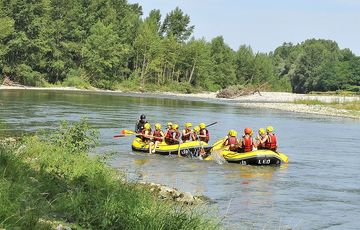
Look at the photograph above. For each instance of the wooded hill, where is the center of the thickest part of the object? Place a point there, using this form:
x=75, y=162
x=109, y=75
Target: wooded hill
x=109, y=44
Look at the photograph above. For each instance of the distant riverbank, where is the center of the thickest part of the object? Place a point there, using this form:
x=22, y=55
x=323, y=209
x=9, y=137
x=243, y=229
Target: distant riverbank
x=299, y=103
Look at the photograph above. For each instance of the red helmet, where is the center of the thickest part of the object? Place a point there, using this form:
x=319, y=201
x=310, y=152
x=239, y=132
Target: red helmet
x=247, y=131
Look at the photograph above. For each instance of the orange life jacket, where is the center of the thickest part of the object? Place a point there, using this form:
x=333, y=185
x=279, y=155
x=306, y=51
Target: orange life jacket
x=157, y=135
x=247, y=144
x=207, y=137
x=270, y=143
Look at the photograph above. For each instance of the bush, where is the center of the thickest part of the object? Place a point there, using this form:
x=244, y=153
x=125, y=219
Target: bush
x=77, y=138
x=25, y=75
x=45, y=180
x=76, y=78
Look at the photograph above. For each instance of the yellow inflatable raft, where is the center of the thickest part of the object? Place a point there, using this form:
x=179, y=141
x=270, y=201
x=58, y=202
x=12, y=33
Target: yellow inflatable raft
x=256, y=157
x=192, y=148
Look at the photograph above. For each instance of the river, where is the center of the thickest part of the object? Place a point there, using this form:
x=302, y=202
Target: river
x=318, y=189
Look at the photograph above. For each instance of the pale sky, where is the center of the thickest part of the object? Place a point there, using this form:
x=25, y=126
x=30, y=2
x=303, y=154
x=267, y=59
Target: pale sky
x=266, y=24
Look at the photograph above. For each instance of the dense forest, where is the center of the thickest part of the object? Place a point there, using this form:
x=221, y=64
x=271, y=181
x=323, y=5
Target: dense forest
x=109, y=44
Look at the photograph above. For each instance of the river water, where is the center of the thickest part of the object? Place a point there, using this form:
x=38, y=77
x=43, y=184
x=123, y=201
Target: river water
x=318, y=189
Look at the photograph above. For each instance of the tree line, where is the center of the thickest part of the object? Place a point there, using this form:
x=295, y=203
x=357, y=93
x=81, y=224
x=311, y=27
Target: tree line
x=109, y=44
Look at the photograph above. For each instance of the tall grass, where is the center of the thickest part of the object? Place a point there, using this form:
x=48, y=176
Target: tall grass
x=41, y=179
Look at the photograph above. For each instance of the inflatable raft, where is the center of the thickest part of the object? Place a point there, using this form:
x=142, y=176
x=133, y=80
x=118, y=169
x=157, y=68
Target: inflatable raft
x=191, y=148
x=256, y=157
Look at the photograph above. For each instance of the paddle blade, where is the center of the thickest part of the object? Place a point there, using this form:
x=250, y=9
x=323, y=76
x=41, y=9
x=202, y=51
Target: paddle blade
x=121, y=135
x=127, y=132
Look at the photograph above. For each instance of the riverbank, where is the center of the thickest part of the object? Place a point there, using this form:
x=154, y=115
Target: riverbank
x=299, y=103
x=52, y=183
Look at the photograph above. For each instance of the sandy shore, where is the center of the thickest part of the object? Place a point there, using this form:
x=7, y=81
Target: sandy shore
x=268, y=100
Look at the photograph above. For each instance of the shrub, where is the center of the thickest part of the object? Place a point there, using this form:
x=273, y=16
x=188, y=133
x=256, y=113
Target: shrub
x=76, y=138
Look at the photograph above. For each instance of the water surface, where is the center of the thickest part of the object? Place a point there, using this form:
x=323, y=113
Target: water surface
x=319, y=189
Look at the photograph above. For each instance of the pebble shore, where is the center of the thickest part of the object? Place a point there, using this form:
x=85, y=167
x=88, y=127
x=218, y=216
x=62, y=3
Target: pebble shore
x=267, y=100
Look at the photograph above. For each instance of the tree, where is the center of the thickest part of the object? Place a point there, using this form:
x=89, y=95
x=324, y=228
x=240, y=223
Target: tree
x=224, y=63
x=177, y=24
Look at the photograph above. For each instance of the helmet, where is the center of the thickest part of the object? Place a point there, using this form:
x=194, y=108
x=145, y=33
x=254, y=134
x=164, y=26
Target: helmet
x=157, y=126
x=196, y=128
x=270, y=129
x=262, y=131
x=202, y=125
x=147, y=126
x=142, y=117
x=169, y=124
x=247, y=131
x=188, y=125
x=175, y=126
x=233, y=133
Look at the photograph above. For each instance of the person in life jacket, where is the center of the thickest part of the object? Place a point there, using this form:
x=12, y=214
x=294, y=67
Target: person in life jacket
x=204, y=133
x=140, y=124
x=175, y=134
x=270, y=139
x=195, y=133
x=158, y=136
x=261, y=135
x=232, y=141
x=146, y=133
x=187, y=132
x=247, y=143
x=168, y=133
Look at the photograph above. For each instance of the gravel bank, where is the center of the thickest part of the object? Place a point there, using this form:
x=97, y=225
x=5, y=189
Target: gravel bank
x=268, y=100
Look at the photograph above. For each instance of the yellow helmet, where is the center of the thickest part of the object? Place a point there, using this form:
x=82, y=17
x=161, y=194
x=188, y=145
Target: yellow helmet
x=270, y=129
x=188, y=125
x=233, y=133
x=196, y=128
x=157, y=126
x=262, y=131
x=202, y=125
x=147, y=126
x=175, y=126
x=169, y=124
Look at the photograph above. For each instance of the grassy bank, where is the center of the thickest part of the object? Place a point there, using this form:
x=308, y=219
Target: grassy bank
x=351, y=105
x=52, y=180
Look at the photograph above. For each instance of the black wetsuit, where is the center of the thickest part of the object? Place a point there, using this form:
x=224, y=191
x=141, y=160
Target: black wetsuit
x=140, y=126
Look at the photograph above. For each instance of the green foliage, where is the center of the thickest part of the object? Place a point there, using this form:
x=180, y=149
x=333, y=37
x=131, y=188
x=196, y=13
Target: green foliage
x=41, y=182
x=176, y=24
x=113, y=47
x=79, y=137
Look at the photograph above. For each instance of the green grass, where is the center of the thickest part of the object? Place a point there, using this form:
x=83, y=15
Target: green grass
x=41, y=181
x=350, y=105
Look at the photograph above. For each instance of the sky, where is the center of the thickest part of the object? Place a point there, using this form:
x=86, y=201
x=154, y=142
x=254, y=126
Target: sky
x=266, y=24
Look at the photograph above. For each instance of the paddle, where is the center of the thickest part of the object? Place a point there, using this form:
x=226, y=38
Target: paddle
x=126, y=132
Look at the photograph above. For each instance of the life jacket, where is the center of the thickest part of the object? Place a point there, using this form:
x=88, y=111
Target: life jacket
x=140, y=126
x=143, y=133
x=261, y=145
x=157, y=135
x=247, y=144
x=186, y=137
x=270, y=143
x=175, y=135
x=168, y=136
x=207, y=138
x=232, y=142
x=194, y=136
